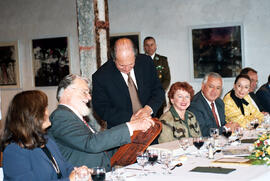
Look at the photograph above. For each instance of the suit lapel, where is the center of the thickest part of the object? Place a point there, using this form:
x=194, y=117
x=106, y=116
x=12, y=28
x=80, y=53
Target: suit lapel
x=119, y=80
x=76, y=118
x=209, y=111
x=139, y=78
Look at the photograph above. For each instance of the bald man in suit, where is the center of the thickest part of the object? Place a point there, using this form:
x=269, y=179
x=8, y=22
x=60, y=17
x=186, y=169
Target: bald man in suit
x=112, y=100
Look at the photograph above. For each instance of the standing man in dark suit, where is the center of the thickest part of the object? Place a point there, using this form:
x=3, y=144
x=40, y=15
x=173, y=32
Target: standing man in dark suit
x=78, y=142
x=263, y=95
x=112, y=99
x=252, y=74
x=161, y=64
x=208, y=107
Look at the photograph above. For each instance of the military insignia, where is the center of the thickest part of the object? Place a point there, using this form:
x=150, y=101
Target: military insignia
x=156, y=58
x=160, y=76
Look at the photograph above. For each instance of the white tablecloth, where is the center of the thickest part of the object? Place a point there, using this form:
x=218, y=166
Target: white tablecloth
x=242, y=172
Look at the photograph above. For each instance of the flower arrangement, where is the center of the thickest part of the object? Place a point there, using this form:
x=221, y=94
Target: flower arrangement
x=261, y=152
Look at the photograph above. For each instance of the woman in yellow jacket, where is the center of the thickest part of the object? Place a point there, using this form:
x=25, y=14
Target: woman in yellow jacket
x=238, y=104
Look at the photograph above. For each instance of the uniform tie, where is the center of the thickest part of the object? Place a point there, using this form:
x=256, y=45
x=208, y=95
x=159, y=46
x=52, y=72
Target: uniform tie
x=214, y=113
x=136, y=104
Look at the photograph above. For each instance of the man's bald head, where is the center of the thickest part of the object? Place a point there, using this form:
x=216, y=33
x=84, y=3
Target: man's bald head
x=124, y=55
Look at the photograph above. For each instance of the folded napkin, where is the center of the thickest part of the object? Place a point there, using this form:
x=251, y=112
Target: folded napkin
x=218, y=170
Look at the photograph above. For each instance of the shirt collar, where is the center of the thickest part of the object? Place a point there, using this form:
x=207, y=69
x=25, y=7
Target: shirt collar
x=73, y=110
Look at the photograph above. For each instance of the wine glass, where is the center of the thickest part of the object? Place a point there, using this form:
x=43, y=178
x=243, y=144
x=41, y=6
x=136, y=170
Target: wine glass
x=239, y=131
x=198, y=143
x=214, y=132
x=254, y=123
x=152, y=156
x=99, y=174
x=142, y=159
x=117, y=173
x=227, y=132
x=166, y=159
x=184, y=143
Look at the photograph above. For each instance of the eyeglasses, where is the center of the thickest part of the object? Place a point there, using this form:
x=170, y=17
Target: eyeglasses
x=85, y=92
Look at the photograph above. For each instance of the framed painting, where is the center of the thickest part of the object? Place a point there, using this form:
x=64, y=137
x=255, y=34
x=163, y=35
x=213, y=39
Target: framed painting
x=217, y=49
x=50, y=60
x=9, y=65
x=134, y=37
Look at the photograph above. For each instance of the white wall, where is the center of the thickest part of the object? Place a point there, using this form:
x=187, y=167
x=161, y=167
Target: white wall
x=24, y=20
x=169, y=22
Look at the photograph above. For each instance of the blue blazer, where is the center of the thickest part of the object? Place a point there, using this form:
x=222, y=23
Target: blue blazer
x=111, y=99
x=33, y=165
x=204, y=114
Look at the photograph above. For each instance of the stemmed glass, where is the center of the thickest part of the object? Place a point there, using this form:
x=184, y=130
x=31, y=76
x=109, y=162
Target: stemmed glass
x=142, y=159
x=166, y=159
x=239, y=132
x=98, y=174
x=184, y=143
x=152, y=156
x=117, y=173
x=198, y=143
x=214, y=132
x=254, y=123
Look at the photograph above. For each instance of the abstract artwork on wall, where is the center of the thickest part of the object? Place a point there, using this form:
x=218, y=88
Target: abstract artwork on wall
x=217, y=49
x=9, y=65
x=50, y=60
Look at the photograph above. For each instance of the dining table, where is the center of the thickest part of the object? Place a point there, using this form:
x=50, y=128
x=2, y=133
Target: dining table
x=193, y=167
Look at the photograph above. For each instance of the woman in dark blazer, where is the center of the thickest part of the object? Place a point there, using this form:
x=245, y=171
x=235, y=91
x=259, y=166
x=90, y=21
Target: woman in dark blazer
x=28, y=153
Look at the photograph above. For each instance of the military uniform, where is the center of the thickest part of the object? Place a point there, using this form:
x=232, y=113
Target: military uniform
x=174, y=128
x=164, y=76
x=163, y=70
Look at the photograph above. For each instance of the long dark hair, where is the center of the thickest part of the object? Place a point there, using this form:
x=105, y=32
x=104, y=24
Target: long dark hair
x=23, y=123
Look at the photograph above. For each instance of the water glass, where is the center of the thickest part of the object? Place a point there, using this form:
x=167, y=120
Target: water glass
x=117, y=173
x=184, y=143
x=142, y=159
x=166, y=159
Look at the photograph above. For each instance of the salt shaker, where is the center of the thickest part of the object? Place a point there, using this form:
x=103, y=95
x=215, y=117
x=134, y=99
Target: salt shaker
x=210, y=151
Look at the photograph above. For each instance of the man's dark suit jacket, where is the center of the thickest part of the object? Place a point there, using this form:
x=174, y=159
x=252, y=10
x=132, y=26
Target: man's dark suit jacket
x=263, y=95
x=256, y=100
x=111, y=99
x=79, y=145
x=204, y=114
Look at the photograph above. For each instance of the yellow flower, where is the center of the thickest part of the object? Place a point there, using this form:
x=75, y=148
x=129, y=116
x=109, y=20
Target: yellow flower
x=263, y=137
x=268, y=150
x=258, y=153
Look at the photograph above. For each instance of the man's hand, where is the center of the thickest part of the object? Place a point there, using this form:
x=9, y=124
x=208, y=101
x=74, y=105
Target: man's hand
x=146, y=111
x=232, y=126
x=142, y=124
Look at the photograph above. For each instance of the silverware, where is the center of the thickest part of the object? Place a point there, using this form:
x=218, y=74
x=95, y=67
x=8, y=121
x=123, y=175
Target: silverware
x=139, y=169
x=177, y=165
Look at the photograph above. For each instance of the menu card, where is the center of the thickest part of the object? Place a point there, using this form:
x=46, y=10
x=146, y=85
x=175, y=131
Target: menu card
x=233, y=160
